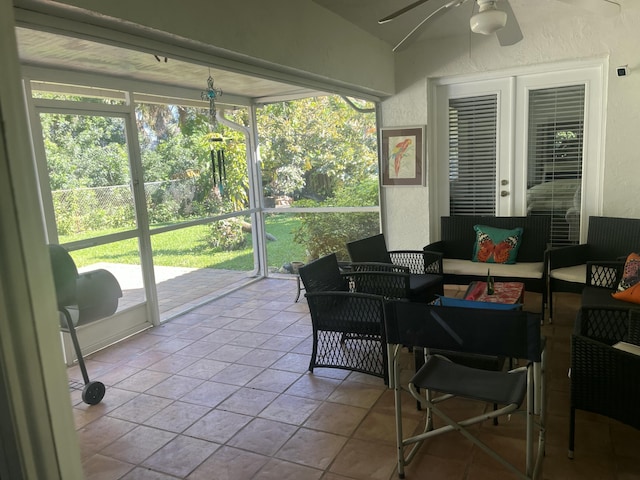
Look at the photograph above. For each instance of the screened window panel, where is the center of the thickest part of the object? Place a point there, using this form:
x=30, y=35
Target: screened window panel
x=555, y=144
x=472, y=155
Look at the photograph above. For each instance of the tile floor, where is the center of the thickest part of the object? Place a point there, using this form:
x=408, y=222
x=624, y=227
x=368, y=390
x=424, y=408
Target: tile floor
x=223, y=393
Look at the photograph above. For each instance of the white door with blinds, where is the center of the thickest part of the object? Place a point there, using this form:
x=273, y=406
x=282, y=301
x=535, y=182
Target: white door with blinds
x=522, y=145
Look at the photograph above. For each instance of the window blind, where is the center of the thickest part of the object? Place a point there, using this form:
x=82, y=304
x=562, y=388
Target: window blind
x=554, y=164
x=472, y=155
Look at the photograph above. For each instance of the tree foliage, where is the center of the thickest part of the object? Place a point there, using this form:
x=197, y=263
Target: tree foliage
x=319, y=149
x=317, y=144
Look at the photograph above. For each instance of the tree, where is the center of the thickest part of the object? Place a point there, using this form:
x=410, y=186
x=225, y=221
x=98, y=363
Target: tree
x=322, y=140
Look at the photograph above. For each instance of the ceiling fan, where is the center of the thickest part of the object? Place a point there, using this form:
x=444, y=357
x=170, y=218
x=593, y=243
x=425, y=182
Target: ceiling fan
x=490, y=19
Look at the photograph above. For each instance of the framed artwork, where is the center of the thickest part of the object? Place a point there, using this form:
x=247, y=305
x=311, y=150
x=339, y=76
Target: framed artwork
x=402, y=156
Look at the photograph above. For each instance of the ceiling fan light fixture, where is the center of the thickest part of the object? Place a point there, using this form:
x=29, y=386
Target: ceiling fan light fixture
x=489, y=19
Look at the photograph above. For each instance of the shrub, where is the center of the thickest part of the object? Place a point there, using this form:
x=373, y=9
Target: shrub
x=227, y=234
x=324, y=233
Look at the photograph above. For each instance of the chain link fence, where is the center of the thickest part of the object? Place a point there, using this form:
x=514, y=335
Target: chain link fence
x=99, y=208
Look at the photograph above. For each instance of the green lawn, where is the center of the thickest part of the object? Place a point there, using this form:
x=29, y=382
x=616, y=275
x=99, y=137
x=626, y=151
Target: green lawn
x=189, y=247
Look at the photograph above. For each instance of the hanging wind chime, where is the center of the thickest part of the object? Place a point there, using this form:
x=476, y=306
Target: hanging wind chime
x=217, y=163
x=217, y=155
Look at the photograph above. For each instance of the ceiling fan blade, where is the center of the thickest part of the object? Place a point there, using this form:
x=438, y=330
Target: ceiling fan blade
x=606, y=8
x=404, y=43
x=397, y=13
x=510, y=34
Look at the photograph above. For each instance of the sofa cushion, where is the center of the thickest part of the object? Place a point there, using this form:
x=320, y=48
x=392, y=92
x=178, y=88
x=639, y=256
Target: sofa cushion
x=574, y=274
x=629, y=286
x=453, y=266
x=631, y=272
x=496, y=245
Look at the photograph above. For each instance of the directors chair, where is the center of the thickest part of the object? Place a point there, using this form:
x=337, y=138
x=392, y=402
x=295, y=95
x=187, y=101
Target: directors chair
x=513, y=334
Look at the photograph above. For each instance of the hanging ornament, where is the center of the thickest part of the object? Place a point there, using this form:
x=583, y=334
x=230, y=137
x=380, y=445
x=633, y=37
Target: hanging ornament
x=218, y=163
x=211, y=94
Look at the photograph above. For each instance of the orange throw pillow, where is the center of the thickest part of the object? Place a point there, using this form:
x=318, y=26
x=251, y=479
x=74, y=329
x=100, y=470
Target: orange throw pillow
x=629, y=287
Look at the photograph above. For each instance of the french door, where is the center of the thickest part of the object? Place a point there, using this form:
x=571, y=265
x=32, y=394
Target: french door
x=520, y=145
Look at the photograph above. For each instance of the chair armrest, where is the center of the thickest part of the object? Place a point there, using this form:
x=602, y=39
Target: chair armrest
x=606, y=324
x=414, y=259
x=439, y=247
x=376, y=267
x=433, y=262
x=605, y=274
x=567, y=256
x=389, y=284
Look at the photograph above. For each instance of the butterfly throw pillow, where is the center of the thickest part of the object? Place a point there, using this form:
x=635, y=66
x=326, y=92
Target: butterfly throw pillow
x=629, y=286
x=496, y=245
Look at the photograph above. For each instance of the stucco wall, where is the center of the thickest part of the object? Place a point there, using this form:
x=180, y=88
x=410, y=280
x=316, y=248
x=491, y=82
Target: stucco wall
x=585, y=36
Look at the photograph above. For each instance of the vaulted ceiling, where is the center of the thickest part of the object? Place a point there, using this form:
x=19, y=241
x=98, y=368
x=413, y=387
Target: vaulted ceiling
x=455, y=22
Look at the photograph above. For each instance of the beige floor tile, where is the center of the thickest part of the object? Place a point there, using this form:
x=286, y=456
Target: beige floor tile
x=437, y=468
x=138, y=444
x=98, y=434
x=381, y=427
x=313, y=386
x=263, y=436
x=281, y=470
x=204, y=368
x=282, y=343
x=336, y=418
x=290, y=409
x=174, y=387
x=140, y=473
x=143, y=380
x=181, y=456
x=273, y=380
x=356, y=394
x=177, y=416
x=248, y=401
x=365, y=460
x=218, y=426
x=237, y=374
x=209, y=394
x=148, y=357
x=251, y=339
x=229, y=353
x=292, y=362
x=260, y=357
x=173, y=363
x=99, y=467
x=229, y=464
x=312, y=448
x=200, y=349
x=140, y=408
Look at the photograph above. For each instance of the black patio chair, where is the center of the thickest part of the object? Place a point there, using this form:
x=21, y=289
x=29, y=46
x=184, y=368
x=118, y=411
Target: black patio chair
x=425, y=268
x=604, y=375
x=82, y=298
x=347, y=311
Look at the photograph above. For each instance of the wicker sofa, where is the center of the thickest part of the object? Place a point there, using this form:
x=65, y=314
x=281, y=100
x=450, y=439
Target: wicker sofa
x=457, y=240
